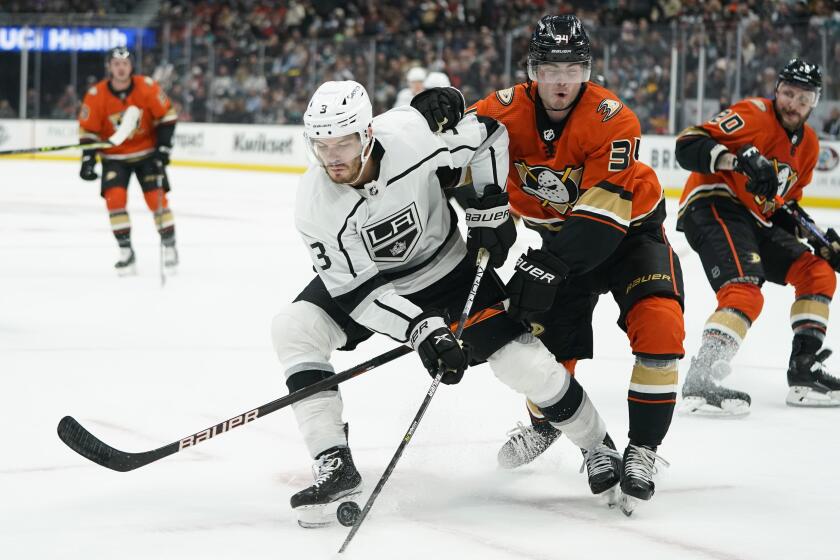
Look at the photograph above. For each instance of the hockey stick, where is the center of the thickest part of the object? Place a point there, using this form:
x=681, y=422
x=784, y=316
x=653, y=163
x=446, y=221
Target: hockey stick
x=159, y=216
x=89, y=446
x=812, y=228
x=481, y=266
x=128, y=123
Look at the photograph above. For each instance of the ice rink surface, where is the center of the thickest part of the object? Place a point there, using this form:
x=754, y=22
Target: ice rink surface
x=142, y=366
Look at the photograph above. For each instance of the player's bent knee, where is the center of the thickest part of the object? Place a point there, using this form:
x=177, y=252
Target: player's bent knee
x=303, y=333
x=811, y=275
x=526, y=366
x=655, y=326
x=743, y=296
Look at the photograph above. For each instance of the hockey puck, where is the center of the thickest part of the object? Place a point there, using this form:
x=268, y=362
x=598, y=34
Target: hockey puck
x=348, y=513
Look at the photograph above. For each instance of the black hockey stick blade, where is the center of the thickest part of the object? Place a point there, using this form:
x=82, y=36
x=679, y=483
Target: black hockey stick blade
x=90, y=447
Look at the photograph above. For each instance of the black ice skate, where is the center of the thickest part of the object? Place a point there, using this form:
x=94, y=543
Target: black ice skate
x=603, y=467
x=336, y=478
x=526, y=443
x=637, y=476
x=127, y=265
x=810, y=384
x=703, y=396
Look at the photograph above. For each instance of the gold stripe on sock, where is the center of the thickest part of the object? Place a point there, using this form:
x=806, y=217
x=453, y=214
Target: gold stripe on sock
x=534, y=409
x=729, y=323
x=809, y=310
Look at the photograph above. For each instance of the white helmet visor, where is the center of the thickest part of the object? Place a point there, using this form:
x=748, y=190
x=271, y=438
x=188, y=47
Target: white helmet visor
x=335, y=151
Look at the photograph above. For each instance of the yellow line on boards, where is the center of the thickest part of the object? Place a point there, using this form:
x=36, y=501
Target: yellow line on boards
x=670, y=192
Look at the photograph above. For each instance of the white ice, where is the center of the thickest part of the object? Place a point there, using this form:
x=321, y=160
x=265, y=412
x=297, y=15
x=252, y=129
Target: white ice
x=142, y=366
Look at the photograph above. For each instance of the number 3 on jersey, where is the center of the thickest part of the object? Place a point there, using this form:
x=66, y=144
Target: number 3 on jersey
x=621, y=152
x=321, y=254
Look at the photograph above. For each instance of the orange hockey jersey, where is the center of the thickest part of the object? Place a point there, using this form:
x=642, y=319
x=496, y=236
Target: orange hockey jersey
x=581, y=174
x=102, y=110
x=753, y=121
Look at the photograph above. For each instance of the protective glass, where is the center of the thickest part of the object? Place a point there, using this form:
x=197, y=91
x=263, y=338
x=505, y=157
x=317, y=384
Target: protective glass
x=802, y=98
x=335, y=151
x=559, y=72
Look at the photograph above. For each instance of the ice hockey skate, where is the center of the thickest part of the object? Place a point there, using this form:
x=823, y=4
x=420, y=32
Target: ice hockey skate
x=127, y=265
x=603, y=468
x=703, y=396
x=170, y=260
x=637, y=476
x=810, y=384
x=526, y=443
x=336, y=479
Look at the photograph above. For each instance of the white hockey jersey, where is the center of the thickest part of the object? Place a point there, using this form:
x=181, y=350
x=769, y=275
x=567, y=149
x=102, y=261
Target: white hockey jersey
x=397, y=234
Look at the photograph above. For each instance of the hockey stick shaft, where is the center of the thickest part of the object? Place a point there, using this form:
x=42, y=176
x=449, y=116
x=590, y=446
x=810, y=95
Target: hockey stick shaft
x=806, y=224
x=89, y=446
x=128, y=122
x=483, y=257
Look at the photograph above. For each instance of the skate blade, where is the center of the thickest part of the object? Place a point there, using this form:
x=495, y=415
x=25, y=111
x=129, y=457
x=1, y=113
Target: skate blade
x=612, y=497
x=628, y=504
x=807, y=397
x=127, y=271
x=170, y=271
x=318, y=516
x=697, y=406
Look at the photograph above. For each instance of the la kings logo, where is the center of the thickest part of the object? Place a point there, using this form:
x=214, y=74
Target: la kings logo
x=393, y=239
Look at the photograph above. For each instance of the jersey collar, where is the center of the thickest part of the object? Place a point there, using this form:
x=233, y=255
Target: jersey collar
x=123, y=93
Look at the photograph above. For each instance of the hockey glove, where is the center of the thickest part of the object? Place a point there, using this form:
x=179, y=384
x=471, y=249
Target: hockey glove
x=829, y=251
x=761, y=177
x=442, y=107
x=161, y=156
x=490, y=225
x=430, y=336
x=88, y=170
x=534, y=284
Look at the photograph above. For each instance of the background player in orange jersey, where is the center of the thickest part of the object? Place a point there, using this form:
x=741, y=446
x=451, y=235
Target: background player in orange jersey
x=742, y=161
x=574, y=177
x=145, y=153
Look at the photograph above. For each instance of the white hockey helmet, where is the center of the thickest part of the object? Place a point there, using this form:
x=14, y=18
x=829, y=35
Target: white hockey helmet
x=436, y=79
x=416, y=74
x=336, y=110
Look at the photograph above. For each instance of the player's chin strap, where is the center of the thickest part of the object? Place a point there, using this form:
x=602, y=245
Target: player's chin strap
x=365, y=155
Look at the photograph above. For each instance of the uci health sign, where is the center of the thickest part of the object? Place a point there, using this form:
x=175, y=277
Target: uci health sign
x=73, y=38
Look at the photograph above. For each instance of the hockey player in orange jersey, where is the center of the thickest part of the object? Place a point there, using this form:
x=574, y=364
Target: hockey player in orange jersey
x=746, y=161
x=574, y=178
x=145, y=153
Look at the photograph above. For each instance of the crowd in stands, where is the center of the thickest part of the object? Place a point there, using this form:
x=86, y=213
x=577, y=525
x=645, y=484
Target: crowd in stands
x=257, y=61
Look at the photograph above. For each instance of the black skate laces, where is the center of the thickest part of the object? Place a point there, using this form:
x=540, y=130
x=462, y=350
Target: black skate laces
x=597, y=459
x=324, y=467
x=640, y=462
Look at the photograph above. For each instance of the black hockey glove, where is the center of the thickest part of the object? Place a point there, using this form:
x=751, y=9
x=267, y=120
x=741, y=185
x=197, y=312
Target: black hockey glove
x=88, y=170
x=829, y=251
x=534, y=284
x=442, y=107
x=761, y=177
x=490, y=225
x=161, y=156
x=430, y=336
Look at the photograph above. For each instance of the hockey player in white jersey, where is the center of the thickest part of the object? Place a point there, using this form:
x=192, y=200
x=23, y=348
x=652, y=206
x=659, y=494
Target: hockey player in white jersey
x=390, y=259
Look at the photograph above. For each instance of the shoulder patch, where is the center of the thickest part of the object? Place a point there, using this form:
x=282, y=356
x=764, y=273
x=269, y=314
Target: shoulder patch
x=84, y=114
x=609, y=108
x=148, y=81
x=92, y=91
x=505, y=96
x=758, y=103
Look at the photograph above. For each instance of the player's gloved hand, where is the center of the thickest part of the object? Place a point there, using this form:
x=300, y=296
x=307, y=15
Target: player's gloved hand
x=490, y=225
x=430, y=336
x=88, y=170
x=829, y=251
x=534, y=284
x=761, y=177
x=161, y=156
x=442, y=107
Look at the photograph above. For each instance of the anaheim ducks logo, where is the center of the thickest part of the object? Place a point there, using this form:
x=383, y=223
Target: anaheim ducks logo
x=558, y=189
x=787, y=177
x=609, y=108
x=116, y=120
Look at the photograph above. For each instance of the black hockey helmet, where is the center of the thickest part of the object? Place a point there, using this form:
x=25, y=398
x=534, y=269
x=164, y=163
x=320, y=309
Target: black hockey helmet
x=121, y=53
x=559, y=39
x=801, y=74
